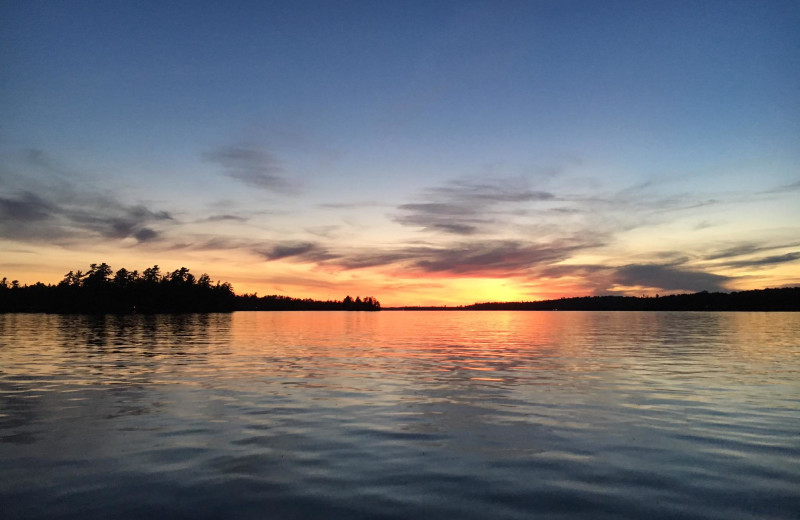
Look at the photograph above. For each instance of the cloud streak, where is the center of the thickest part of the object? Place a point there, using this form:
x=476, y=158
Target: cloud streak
x=467, y=207
x=297, y=251
x=254, y=168
x=64, y=218
x=466, y=258
x=766, y=261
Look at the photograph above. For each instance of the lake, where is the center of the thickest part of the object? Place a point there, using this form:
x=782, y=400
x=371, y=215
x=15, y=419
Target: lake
x=400, y=415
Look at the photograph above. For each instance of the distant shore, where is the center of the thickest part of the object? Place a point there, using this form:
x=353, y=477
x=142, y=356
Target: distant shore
x=759, y=300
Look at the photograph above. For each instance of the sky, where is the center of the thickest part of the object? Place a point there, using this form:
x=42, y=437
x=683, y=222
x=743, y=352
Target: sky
x=430, y=152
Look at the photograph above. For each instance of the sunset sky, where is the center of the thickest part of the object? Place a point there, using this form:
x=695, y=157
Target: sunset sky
x=432, y=152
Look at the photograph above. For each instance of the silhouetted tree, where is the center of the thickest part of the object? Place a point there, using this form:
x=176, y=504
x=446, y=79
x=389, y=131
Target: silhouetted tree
x=98, y=275
x=152, y=274
x=204, y=280
x=98, y=291
x=124, y=278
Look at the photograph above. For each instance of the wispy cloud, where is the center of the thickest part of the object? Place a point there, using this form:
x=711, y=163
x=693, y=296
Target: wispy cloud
x=467, y=206
x=66, y=217
x=471, y=258
x=25, y=207
x=297, y=251
x=766, y=261
x=732, y=255
x=792, y=186
x=252, y=167
x=349, y=205
x=226, y=218
x=43, y=200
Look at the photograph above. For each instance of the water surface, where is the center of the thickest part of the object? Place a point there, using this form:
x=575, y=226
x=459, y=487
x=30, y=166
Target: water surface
x=401, y=415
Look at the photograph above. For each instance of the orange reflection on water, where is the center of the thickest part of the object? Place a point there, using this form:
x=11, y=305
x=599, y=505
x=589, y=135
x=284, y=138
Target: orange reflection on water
x=307, y=347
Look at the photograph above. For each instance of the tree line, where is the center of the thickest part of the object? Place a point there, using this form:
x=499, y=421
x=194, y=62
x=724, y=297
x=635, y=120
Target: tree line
x=780, y=299
x=252, y=302
x=100, y=290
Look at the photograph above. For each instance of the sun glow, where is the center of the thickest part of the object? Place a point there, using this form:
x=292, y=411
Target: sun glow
x=474, y=290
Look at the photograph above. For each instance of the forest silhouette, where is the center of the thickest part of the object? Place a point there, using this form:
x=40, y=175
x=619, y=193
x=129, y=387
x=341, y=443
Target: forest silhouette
x=101, y=291
x=779, y=299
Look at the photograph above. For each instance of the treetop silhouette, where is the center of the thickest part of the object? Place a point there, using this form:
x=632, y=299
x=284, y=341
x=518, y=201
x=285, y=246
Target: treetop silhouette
x=100, y=290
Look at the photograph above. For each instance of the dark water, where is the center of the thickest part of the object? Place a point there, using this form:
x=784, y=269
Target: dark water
x=401, y=415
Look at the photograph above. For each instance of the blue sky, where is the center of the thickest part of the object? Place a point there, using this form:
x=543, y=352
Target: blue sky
x=536, y=148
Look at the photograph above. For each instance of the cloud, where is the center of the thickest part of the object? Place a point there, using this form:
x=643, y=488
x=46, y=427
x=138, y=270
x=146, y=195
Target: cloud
x=749, y=248
x=145, y=235
x=471, y=207
x=669, y=278
x=65, y=217
x=252, y=167
x=377, y=258
x=473, y=258
x=766, y=261
x=25, y=207
x=298, y=251
x=501, y=258
x=467, y=207
x=348, y=205
x=111, y=219
x=794, y=186
x=208, y=243
x=602, y=279
x=225, y=218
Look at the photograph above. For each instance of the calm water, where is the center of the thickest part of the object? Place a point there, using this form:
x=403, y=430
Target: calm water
x=401, y=415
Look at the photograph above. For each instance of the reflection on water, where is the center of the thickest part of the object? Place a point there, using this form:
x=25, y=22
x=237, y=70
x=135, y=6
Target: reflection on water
x=401, y=415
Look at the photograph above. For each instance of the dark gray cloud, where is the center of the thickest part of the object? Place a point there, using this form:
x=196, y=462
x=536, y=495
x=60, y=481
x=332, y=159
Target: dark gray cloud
x=669, y=278
x=766, y=260
x=252, y=167
x=44, y=200
x=111, y=219
x=747, y=249
x=208, y=243
x=25, y=207
x=286, y=250
x=145, y=234
x=226, y=218
x=467, y=207
x=377, y=258
x=741, y=249
x=602, y=279
x=298, y=251
x=65, y=217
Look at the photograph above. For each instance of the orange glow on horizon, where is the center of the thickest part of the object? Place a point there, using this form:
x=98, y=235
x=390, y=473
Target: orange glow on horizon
x=391, y=286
